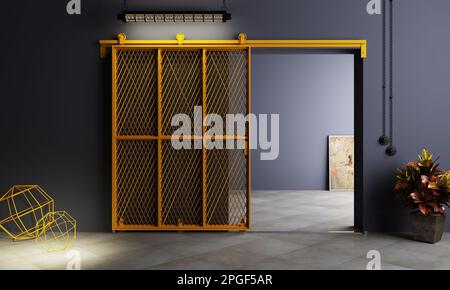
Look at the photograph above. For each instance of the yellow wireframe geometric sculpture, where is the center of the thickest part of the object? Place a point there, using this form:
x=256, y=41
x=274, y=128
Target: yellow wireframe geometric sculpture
x=20, y=210
x=58, y=231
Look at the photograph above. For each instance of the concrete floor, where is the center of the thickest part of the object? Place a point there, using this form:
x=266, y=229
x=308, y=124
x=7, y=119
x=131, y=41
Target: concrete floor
x=290, y=230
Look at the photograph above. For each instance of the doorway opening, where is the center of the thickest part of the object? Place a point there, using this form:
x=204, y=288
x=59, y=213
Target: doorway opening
x=317, y=94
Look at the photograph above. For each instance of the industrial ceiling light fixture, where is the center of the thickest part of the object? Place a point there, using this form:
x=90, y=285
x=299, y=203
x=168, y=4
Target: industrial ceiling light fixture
x=175, y=16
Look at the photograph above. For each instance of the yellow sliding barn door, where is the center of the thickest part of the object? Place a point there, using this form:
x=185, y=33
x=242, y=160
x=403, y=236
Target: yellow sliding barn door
x=155, y=186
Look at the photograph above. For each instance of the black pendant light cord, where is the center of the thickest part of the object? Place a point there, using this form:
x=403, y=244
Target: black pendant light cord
x=391, y=72
x=384, y=139
x=391, y=150
x=384, y=67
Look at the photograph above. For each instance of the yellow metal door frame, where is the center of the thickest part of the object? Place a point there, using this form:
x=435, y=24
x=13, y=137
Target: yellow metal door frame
x=242, y=43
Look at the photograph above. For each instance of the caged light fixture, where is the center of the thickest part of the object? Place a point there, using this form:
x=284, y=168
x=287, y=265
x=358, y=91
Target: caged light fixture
x=174, y=16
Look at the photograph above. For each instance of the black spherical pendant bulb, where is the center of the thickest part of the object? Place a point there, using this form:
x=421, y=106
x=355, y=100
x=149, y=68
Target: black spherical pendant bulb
x=391, y=150
x=384, y=140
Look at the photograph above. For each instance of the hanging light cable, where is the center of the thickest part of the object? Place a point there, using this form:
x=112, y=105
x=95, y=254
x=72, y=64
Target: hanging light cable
x=391, y=150
x=384, y=139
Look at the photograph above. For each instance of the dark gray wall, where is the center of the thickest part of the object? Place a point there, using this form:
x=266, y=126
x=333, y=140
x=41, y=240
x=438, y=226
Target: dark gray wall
x=313, y=94
x=55, y=91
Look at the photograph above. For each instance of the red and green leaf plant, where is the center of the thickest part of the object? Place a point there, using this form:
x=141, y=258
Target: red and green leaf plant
x=423, y=186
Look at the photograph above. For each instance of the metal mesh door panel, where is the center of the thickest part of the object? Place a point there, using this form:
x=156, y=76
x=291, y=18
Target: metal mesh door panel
x=226, y=84
x=136, y=85
x=227, y=170
x=136, y=183
x=181, y=186
x=181, y=85
x=227, y=196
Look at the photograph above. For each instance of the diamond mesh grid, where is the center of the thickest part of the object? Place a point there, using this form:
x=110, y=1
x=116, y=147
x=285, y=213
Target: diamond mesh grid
x=181, y=85
x=170, y=189
x=226, y=85
x=227, y=196
x=137, y=183
x=181, y=186
x=136, y=79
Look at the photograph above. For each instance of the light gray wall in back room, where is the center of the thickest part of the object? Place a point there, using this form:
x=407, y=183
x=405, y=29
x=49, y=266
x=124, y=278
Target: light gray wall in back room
x=313, y=94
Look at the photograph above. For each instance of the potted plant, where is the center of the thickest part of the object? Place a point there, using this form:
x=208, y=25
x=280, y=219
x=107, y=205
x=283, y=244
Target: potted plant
x=425, y=189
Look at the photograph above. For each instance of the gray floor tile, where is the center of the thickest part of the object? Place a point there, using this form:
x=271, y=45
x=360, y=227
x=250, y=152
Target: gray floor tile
x=270, y=247
x=316, y=259
x=192, y=263
x=354, y=244
x=361, y=264
x=275, y=264
x=231, y=257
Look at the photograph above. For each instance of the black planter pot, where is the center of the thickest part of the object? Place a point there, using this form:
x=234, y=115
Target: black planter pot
x=427, y=228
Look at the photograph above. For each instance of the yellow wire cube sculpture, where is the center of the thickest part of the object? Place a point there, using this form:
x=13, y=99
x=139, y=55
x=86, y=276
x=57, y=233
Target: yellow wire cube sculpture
x=58, y=231
x=27, y=212
x=21, y=209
